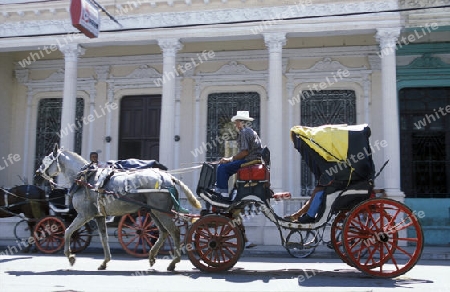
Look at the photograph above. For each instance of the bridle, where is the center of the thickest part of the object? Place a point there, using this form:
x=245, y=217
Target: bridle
x=47, y=161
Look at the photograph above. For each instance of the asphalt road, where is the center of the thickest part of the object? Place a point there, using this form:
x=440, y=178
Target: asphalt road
x=45, y=273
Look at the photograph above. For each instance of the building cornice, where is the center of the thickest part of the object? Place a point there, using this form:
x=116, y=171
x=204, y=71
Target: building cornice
x=272, y=15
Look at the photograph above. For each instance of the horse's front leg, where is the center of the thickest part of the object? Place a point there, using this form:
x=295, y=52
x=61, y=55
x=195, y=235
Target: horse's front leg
x=76, y=224
x=101, y=223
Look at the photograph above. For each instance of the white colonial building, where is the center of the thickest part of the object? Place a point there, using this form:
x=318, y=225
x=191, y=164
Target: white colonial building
x=165, y=83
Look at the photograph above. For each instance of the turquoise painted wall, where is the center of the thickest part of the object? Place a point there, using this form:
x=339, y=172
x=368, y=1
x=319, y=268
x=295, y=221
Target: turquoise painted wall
x=428, y=70
x=434, y=216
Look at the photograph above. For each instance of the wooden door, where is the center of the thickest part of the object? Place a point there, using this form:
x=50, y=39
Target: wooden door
x=140, y=118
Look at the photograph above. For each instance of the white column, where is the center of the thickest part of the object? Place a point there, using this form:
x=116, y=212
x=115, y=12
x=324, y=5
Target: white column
x=26, y=140
x=276, y=134
x=167, y=129
x=387, y=38
x=68, y=127
x=108, y=133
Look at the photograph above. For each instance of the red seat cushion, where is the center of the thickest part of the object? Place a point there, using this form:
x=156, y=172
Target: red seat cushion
x=255, y=172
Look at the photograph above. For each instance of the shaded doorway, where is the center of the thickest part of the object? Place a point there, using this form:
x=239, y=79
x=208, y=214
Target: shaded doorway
x=140, y=118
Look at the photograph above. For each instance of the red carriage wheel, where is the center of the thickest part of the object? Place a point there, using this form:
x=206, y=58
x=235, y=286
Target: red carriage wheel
x=214, y=243
x=336, y=237
x=137, y=233
x=81, y=238
x=382, y=237
x=49, y=234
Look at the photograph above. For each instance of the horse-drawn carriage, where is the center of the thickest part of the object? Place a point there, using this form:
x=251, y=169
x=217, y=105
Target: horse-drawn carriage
x=379, y=236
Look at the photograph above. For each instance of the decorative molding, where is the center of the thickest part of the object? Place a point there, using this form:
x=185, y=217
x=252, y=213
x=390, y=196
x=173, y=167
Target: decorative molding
x=57, y=76
x=143, y=72
x=426, y=61
x=200, y=17
x=422, y=3
x=22, y=75
x=102, y=72
x=232, y=68
x=326, y=65
x=230, y=74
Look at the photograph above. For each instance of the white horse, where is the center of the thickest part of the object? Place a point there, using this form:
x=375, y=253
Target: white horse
x=157, y=199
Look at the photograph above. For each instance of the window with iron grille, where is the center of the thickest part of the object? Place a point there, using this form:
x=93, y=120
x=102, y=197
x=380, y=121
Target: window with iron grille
x=48, y=127
x=320, y=108
x=221, y=108
x=425, y=142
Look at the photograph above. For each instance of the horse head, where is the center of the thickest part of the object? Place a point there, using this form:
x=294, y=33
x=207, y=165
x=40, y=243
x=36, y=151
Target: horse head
x=50, y=165
x=61, y=161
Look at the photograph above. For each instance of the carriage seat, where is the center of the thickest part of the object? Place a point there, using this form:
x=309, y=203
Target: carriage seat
x=253, y=178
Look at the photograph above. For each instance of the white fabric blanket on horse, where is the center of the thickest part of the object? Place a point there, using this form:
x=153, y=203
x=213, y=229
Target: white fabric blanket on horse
x=150, y=180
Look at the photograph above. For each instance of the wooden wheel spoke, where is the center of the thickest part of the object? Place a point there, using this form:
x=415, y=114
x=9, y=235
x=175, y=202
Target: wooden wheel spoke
x=131, y=240
x=386, y=218
x=217, y=243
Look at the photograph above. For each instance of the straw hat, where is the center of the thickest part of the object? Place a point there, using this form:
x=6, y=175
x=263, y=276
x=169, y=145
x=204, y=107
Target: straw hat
x=242, y=115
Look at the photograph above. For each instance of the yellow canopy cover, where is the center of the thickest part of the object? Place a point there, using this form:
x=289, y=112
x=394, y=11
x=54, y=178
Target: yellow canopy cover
x=329, y=141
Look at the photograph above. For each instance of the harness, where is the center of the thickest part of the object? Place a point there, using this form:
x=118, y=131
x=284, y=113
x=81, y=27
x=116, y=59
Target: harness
x=46, y=162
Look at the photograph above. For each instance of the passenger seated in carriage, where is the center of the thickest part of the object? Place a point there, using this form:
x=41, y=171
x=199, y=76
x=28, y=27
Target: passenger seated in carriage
x=339, y=156
x=307, y=213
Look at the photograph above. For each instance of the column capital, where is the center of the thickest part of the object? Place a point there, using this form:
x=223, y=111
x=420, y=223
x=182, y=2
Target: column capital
x=170, y=46
x=72, y=51
x=387, y=37
x=275, y=41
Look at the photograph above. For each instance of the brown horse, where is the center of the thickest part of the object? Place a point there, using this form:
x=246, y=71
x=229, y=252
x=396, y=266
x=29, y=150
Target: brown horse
x=27, y=199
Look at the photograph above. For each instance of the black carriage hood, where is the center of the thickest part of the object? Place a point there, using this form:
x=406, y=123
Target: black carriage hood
x=339, y=151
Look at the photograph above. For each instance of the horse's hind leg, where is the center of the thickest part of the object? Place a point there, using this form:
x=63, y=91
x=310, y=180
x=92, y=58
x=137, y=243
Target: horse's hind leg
x=167, y=223
x=161, y=238
x=101, y=223
x=175, y=233
x=76, y=224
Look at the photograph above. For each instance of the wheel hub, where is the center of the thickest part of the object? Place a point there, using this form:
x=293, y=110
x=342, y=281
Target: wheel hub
x=383, y=237
x=213, y=244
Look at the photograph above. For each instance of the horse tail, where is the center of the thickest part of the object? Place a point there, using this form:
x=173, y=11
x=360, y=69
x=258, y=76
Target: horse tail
x=190, y=196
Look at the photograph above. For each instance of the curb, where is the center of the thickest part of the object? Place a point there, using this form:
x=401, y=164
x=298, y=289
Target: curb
x=428, y=253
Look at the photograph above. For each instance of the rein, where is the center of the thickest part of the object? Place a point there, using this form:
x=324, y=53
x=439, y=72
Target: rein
x=184, y=170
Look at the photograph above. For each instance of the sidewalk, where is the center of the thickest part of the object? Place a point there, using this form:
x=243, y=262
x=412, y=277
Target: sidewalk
x=322, y=251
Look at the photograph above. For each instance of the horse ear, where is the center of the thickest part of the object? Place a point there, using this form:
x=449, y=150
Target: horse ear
x=55, y=149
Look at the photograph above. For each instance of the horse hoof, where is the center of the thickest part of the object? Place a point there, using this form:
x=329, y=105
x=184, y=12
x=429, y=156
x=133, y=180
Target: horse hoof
x=152, y=262
x=102, y=267
x=72, y=260
x=171, y=268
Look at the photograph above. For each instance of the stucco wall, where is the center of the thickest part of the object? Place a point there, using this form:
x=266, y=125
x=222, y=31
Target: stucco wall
x=6, y=120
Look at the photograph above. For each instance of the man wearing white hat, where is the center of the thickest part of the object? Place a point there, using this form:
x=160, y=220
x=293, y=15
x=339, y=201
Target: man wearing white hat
x=249, y=146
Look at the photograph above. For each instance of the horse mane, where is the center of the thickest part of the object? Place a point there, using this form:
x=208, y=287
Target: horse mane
x=76, y=156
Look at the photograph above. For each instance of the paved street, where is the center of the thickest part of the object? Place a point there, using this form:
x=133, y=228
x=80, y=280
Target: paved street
x=45, y=273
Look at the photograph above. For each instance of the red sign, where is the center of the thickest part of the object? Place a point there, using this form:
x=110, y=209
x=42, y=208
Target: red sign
x=85, y=16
